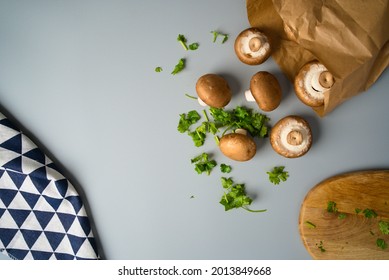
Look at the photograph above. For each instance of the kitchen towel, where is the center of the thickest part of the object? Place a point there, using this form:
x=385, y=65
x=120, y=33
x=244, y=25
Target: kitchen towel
x=42, y=216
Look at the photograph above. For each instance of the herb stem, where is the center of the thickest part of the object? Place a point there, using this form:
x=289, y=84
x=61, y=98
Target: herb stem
x=254, y=211
x=190, y=96
x=205, y=115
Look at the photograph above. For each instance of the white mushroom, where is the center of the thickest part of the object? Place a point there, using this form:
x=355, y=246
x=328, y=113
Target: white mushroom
x=252, y=46
x=291, y=137
x=311, y=83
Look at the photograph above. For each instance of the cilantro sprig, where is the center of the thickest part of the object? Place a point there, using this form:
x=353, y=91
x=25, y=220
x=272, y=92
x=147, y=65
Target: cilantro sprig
x=203, y=163
x=278, y=174
x=235, y=196
x=183, y=41
x=179, y=66
x=217, y=34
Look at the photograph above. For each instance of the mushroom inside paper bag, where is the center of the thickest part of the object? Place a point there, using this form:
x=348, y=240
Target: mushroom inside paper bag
x=349, y=38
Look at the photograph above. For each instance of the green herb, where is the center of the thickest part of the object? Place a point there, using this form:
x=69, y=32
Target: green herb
x=190, y=96
x=384, y=227
x=342, y=216
x=381, y=243
x=179, y=66
x=197, y=137
x=216, y=34
x=181, y=38
x=277, y=175
x=331, y=207
x=369, y=213
x=194, y=46
x=158, y=69
x=203, y=163
x=320, y=246
x=357, y=210
x=310, y=224
x=192, y=196
x=235, y=196
x=225, y=168
x=186, y=120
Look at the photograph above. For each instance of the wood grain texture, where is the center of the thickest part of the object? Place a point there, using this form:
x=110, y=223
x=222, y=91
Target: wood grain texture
x=353, y=237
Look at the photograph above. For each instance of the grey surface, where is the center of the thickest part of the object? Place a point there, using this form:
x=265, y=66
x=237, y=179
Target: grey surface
x=79, y=77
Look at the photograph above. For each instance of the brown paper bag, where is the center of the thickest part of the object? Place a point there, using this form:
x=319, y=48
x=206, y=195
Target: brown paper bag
x=350, y=37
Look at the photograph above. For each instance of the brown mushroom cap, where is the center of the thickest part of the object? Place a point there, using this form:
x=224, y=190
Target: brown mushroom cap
x=237, y=146
x=266, y=91
x=213, y=90
x=311, y=82
x=252, y=46
x=291, y=137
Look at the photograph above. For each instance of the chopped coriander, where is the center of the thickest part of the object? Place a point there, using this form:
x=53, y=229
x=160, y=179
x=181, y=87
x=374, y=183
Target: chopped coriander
x=384, y=227
x=181, y=38
x=235, y=196
x=192, y=196
x=190, y=96
x=194, y=46
x=225, y=168
x=320, y=246
x=342, y=216
x=277, y=175
x=310, y=224
x=369, y=213
x=381, y=243
x=216, y=34
x=357, y=210
x=179, y=66
x=331, y=207
x=203, y=163
x=158, y=69
x=198, y=137
x=186, y=120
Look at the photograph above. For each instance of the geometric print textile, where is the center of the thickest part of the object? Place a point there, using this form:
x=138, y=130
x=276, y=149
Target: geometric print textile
x=42, y=217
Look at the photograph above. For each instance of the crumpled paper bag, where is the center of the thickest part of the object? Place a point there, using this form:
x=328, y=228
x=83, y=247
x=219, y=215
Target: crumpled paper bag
x=351, y=38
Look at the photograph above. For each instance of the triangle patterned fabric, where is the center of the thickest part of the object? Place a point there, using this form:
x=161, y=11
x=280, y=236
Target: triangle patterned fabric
x=42, y=217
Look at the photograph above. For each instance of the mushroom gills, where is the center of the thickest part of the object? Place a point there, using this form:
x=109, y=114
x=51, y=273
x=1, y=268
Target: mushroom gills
x=254, y=45
x=294, y=137
x=317, y=80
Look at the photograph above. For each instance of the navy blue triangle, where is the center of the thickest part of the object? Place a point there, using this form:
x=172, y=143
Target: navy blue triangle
x=39, y=179
x=62, y=186
x=62, y=256
x=1, y=172
x=76, y=242
x=66, y=220
x=7, y=195
x=30, y=198
x=17, y=178
x=30, y=236
x=36, y=154
x=8, y=123
x=2, y=210
x=84, y=222
x=13, y=144
x=53, y=166
x=54, y=202
x=54, y=238
x=76, y=202
x=15, y=164
x=40, y=255
x=43, y=217
x=92, y=242
x=6, y=235
x=19, y=215
x=18, y=254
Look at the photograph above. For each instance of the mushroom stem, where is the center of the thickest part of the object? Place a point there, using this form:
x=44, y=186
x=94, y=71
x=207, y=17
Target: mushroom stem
x=326, y=79
x=241, y=131
x=255, y=44
x=249, y=96
x=201, y=102
x=294, y=138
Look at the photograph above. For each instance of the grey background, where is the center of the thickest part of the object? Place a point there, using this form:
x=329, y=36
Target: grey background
x=79, y=78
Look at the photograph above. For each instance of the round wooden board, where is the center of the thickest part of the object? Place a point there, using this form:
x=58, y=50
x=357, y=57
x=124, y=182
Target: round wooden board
x=352, y=237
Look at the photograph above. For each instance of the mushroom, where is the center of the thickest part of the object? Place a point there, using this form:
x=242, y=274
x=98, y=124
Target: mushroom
x=311, y=82
x=213, y=90
x=291, y=137
x=252, y=46
x=265, y=90
x=238, y=145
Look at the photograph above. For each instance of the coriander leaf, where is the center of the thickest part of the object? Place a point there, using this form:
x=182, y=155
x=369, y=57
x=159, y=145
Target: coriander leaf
x=222, y=117
x=194, y=46
x=225, y=168
x=384, y=227
x=181, y=38
x=235, y=196
x=198, y=137
x=179, y=66
x=186, y=120
x=331, y=207
x=357, y=210
x=158, y=69
x=320, y=246
x=217, y=34
x=225, y=38
x=277, y=175
x=203, y=163
x=309, y=224
x=381, y=243
x=369, y=213
x=342, y=216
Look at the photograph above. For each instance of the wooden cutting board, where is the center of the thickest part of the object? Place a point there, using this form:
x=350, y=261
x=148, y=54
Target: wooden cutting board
x=354, y=236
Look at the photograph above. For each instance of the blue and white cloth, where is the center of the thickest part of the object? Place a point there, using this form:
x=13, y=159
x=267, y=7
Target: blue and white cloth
x=42, y=217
